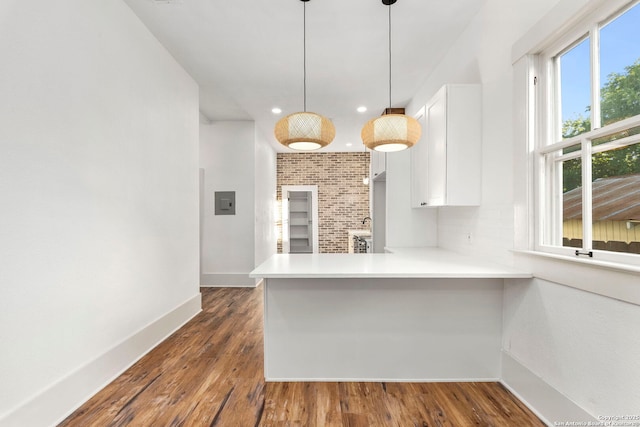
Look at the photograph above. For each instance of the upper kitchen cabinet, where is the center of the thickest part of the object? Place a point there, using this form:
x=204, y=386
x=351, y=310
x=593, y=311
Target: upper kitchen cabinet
x=419, y=158
x=378, y=164
x=446, y=162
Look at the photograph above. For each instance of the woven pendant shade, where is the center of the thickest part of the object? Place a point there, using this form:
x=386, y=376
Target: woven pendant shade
x=305, y=131
x=391, y=132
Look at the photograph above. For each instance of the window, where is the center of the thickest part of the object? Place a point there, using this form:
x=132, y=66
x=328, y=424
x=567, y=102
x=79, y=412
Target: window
x=589, y=144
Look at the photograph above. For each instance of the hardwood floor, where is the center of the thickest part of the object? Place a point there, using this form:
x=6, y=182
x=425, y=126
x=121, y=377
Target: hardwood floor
x=210, y=373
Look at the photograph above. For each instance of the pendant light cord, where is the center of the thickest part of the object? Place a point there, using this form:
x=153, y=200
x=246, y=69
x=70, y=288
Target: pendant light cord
x=304, y=52
x=389, y=56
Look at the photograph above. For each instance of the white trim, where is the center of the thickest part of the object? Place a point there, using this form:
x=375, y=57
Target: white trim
x=524, y=131
x=540, y=178
x=56, y=402
x=541, y=398
x=560, y=23
x=607, y=279
x=201, y=213
x=314, y=215
x=227, y=280
x=594, y=49
x=611, y=129
x=607, y=146
x=386, y=380
x=553, y=37
x=553, y=233
x=587, y=198
x=627, y=268
x=265, y=337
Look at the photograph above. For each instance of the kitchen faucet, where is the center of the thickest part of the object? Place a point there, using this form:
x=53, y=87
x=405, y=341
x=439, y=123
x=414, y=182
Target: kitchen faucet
x=365, y=220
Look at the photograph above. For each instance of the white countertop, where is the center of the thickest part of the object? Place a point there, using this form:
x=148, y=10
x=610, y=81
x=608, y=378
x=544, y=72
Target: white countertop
x=400, y=263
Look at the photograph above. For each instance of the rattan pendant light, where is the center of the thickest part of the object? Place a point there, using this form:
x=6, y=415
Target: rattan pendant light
x=390, y=132
x=305, y=131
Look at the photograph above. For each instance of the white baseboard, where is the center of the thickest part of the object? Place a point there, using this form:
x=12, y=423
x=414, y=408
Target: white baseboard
x=59, y=400
x=546, y=402
x=384, y=380
x=227, y=280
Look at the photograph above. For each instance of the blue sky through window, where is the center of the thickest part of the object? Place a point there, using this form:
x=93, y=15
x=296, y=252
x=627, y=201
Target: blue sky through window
x=575, y=81
x=619, y=48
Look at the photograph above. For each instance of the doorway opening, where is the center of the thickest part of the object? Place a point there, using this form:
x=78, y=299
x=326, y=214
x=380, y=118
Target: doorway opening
x=300, y=219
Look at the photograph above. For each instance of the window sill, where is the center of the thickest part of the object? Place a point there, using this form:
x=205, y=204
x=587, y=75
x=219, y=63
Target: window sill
x=608, y=279
x=587, y=262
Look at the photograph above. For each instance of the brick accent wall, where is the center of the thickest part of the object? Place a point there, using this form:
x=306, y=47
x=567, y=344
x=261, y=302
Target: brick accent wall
x=343, y=200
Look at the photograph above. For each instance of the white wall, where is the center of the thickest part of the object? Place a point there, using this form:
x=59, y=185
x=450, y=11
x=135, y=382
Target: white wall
x=266, y=232
x=583, y=345
x=482, y=55
x=228, y=157
x=98, y=185
x=406, y=227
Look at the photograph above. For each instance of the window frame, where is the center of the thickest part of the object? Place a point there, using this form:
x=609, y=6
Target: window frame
x=548, y=139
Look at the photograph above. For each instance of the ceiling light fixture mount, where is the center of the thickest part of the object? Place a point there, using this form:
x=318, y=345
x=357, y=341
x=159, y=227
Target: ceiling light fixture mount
x=393, y=131
x=305, y=131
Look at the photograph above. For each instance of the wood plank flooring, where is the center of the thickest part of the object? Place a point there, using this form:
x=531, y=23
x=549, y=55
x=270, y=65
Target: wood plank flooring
x=210, y=373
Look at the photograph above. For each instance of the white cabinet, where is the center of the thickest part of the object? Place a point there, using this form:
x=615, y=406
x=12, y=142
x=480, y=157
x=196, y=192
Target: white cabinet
x=418, y=165
x=378, y=164
x=446, y=162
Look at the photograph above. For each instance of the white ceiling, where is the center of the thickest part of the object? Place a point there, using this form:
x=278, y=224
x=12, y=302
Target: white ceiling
x=247, y=55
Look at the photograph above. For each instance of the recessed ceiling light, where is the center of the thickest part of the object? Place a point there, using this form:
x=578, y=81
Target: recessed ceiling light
x=362, y=109
x=276, y=110
x=349, y=144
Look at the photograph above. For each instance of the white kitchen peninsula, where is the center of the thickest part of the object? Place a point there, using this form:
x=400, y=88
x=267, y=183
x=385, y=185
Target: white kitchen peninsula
x=412, y=315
